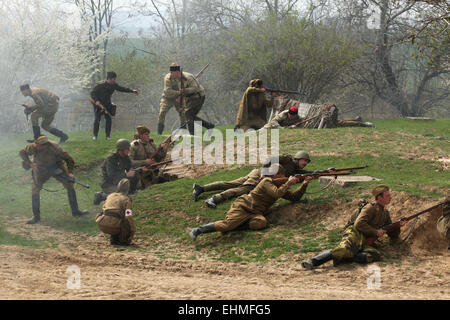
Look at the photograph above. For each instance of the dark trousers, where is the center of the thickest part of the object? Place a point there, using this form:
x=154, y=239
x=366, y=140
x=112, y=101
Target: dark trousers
x=98, y=115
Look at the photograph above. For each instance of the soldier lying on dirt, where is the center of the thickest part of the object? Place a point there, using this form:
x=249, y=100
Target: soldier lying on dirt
x=248, y=211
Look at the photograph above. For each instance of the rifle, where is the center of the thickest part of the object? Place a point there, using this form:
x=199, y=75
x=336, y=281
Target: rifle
x=99, y=105
x=396, y=224
x=58, y=172
x=27, y=110
x=281, y=91
x=151, y=166
x=201, y=71
x=280, y=181
x=341, y=169
x=168, y=139
x=306, y=120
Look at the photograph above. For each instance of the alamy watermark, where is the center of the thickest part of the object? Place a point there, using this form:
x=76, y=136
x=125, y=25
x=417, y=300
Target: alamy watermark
x=374, y=279
x=231, y=149
x=74, y=279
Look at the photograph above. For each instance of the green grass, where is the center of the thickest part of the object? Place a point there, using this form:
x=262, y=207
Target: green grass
x=7, y=238
x=401, y=152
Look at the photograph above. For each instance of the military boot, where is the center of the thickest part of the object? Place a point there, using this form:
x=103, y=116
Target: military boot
x=35, y=203
x=207, y=228
x=99, y=197
x=211, y=203
x=198, y=190
x=321, y=258
x=76, y=212
x=114, y=240
x=36, y=133
x=61, y=135
x=160, y=128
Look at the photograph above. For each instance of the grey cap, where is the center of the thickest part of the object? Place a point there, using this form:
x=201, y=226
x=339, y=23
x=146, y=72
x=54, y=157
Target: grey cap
x=302, y=155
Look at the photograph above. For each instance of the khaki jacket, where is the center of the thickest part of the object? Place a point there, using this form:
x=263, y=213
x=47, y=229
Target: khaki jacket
x=52, y=156
x=46, y=102
x=372, y=218
x=282, y=120
x=140, y=151
x=190, y=84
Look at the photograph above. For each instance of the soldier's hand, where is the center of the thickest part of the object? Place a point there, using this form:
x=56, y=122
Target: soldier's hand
x=402, y=223
x=308, y=179
x=331, y=170
x=177, y=100
x=131, y=173
x=293, y=179
x=33, y=166
x=136, y=92
x=70, y=175
x=380, y=232
x=149, y=162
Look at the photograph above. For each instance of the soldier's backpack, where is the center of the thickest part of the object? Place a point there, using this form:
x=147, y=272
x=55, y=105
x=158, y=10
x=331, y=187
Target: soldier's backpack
x=361, y=204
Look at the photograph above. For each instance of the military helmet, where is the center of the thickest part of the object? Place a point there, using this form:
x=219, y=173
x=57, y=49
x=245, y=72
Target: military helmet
x=122, y=144
x=302, y=155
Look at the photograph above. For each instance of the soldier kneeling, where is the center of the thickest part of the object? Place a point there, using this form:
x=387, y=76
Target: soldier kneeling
x=116, y=217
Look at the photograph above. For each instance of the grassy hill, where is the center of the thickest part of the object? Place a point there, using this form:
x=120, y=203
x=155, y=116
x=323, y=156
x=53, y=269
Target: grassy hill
x=404, y=153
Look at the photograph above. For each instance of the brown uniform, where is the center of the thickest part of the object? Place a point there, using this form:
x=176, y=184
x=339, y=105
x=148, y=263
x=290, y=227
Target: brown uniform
x=371, y=218
x=139, y=152
x=45, y=108
x=113, y=219
x=234, y=188
x=252, y=109
x=52, y=157
x=168, y=100
x=254, y=206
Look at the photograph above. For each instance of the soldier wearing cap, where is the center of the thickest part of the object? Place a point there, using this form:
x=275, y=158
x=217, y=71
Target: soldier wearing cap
x=193, y=94
x=116, y=218
x=230, y=189
x=101, y=95
x=116, y=167
x=284, y=119
x=249, y=210
x=362, y=225
x=46, y=106
x=252, y=112
x=142, y=148
x=48, y=156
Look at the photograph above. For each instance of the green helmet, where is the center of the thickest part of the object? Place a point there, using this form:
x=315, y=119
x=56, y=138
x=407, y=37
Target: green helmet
x=302, y=155
x=122, y=144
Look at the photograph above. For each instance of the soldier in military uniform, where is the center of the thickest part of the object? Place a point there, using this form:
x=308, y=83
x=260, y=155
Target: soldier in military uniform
x=249, y=210
x=244, y=185
x=116, y=167
x=46, y=106
x=116, y=217
x=101, y=94
x=252, y=108
x=193, y=94
x=284, y=119
x=443, y=223
x=141, y=152
x=362, y=225
x=48, y=156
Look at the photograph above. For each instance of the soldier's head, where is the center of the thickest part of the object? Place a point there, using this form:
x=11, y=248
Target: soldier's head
x=293, y=112
x=25, y=89
x=175, y=71
x=41, y=142
x=275, y=170
x=123, y=147
x=123, y=186
x=382, y=194
x=111, y=77
x=302, y=158
x=258, y=83
x=143, y=133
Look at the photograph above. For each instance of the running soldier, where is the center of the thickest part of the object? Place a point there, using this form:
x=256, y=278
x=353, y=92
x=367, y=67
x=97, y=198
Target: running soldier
x=46, y=106
x=47, y=157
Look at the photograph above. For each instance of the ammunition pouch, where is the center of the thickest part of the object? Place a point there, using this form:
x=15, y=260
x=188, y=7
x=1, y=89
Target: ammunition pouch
x=26, y=165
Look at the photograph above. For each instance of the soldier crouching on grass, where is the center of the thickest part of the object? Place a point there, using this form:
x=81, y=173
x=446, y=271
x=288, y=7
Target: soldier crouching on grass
x=116, y=217
x=365, y=224
x=249, y=210
x=47, y=156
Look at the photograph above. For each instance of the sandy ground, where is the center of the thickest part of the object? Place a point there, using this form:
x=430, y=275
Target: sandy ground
x=106, y=272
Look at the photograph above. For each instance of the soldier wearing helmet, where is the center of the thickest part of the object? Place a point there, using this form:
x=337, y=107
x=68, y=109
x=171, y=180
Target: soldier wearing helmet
x=230, y=189
x=116, y=167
